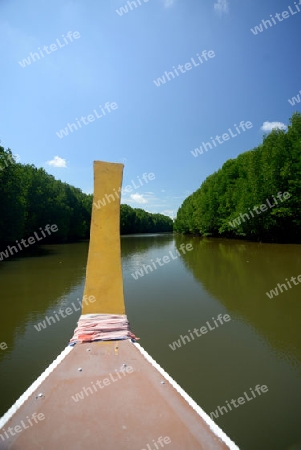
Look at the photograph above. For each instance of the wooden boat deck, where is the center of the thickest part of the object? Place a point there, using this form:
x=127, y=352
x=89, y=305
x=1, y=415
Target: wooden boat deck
x=131, y=409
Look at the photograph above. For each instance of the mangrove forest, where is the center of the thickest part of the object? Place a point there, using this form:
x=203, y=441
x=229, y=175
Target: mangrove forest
x=30, y=198
x=255, y=196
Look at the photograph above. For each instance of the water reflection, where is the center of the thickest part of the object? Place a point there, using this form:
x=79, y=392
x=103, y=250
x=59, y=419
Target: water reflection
x=33, y=287
x=261, y=343
x=239, y=274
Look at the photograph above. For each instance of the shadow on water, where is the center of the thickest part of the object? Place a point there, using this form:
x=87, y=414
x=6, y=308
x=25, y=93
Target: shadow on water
x=239, y=274
x=34, y=252
x=33, y=287
x=134, y=244
x=38, y=288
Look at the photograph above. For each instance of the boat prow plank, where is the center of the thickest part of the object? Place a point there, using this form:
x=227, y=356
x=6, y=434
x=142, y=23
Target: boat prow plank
x=109, y=394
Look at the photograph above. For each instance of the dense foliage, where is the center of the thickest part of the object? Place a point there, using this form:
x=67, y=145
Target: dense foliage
x=136, y=220
x=30, y=198
x=248, y=181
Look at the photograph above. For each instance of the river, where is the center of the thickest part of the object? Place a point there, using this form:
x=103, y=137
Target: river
x=260, y=343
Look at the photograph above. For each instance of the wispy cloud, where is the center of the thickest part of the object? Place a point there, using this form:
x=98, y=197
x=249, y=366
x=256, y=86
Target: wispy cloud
x=269, y=126
x=57, y=162
x=138, y=198
x=221, y=7
x=168, y=3
x=168, y=212
x=149, y=201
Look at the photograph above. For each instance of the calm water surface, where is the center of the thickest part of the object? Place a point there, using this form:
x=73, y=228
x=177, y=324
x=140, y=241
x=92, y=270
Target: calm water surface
x=261, y=344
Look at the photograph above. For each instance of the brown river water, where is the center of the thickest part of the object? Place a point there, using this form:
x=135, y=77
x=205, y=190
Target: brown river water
x=179, y=311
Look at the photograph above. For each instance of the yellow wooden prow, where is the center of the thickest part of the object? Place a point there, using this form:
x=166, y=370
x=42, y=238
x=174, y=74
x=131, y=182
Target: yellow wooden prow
x=104, y=271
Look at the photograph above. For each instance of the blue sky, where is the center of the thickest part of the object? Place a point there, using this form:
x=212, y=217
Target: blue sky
x=116, y=58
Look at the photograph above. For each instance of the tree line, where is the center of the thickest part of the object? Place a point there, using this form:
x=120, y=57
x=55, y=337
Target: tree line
x=229, y=203
x=30, y=198
x=136, y=220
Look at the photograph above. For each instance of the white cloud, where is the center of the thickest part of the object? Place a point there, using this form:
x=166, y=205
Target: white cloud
x=221, y=7
x=269, y=126
x=168, y=3
x=57, y=162
x=138, y=198
x=168, y=212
